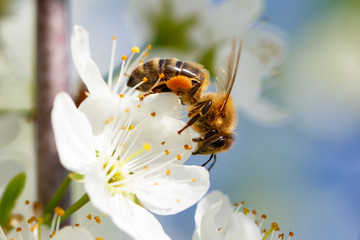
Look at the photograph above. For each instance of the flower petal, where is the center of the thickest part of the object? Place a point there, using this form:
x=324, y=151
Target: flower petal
x=157, y=105
x=225, y=208
x=95, y=186
x=162, y=135
x=80, y=49
x=265, y=112
x=207, y=229
x=136, y=220
x=10, y=125
x=98, y=110
x=241, y=226
x=70, y=233
x=94, y=80
x=72, y=135
x=172, y=189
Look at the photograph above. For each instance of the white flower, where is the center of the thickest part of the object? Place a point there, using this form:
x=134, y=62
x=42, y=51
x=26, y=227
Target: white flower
x=128, y=150
x=216, y=219
x=263, y=51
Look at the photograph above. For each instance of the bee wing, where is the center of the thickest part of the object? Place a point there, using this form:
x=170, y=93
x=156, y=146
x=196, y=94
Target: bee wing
x=227, y=83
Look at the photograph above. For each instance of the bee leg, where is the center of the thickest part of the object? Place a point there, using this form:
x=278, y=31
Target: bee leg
x=211, y=157
x=189, y=123
x=158, y=89
x=199, y=139
x=204, y=106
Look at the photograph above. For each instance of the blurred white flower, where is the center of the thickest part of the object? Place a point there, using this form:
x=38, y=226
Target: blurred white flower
x=323, y=86
x=128, y=150
x=263, y=51
x=216, y=219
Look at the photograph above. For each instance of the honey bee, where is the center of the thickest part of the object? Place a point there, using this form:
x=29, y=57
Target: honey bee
x=213, y=115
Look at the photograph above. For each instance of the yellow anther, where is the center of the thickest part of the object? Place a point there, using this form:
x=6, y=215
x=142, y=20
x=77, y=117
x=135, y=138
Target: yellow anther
x=27, y=202
x=97, y=219
x=131, y=127
x=141, y=61
x=141, y=96
x=153, y=114
x=146, y=54
x=147, y=146
x=89, y=217
x=155, y=183
x=274, y=225
x=291, y=234
x=166, y=152
x=52, y=234
x=161, y=75
x=99, y=238
x=162, y=143
x=123, y=57
x=168, y=172
x=254, y=212
x=263, y=216
x=18, y=229
x=113, y=38
x=135, y=49
x=40, y=220
x=146, y=167
x=77, y=225
x=127, y=110
x=149, y=47
x=145, y=79
x=236, y=204
x=122, y=95
x=246, y=211
x=178, y=200
x=178, y=157
x=194, y=179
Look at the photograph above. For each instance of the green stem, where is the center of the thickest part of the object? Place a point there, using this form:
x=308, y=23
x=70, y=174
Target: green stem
x=56, y=198
x=76, y=206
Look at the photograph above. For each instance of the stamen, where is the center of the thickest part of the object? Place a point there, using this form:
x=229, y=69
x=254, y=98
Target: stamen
x=291, y=234
x=97, y=219
x=153, y=114
x=111, y=69
x=168, y=172
x=146, y=147
x=166, y=152
x=274, y=226
x=135, y=49
x=162, y=143
x=123, y=57
x=178, y=157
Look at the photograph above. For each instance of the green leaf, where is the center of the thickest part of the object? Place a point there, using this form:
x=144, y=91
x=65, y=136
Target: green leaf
x=76, y=177
x=9, y=197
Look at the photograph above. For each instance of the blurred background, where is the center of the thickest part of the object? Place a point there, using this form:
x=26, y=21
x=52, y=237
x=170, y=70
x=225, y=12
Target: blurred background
x=296, y=156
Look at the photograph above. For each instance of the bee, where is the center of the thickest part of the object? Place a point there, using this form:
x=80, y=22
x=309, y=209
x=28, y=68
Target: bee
x=213, y=115
x=186, y=79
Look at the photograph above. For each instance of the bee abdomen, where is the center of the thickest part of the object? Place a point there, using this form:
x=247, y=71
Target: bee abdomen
x=152, y=69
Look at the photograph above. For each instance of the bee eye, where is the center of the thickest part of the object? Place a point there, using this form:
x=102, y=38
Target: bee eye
x=220, y=142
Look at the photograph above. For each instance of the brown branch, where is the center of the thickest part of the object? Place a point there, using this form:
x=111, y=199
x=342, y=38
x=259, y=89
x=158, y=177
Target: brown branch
x=52, y=78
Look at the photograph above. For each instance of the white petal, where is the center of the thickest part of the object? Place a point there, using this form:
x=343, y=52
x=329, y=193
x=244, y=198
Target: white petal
x=167, y=104
x=241, y=227
x=94, y=80
x=161, y=134
x=70, y=233
x=135, y=220
x=207, y=229
x=225, y=207
x=98, y=110
x=267, y=45
x=265, y=112
x=10, y=126
x=95, y=186
x=72, y=135
x=80, y=49
x=173, y=189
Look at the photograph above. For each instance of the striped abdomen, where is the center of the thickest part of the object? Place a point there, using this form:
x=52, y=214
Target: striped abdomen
x=155, y=68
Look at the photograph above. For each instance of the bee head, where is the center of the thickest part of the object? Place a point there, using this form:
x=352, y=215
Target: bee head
x=214, y=144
